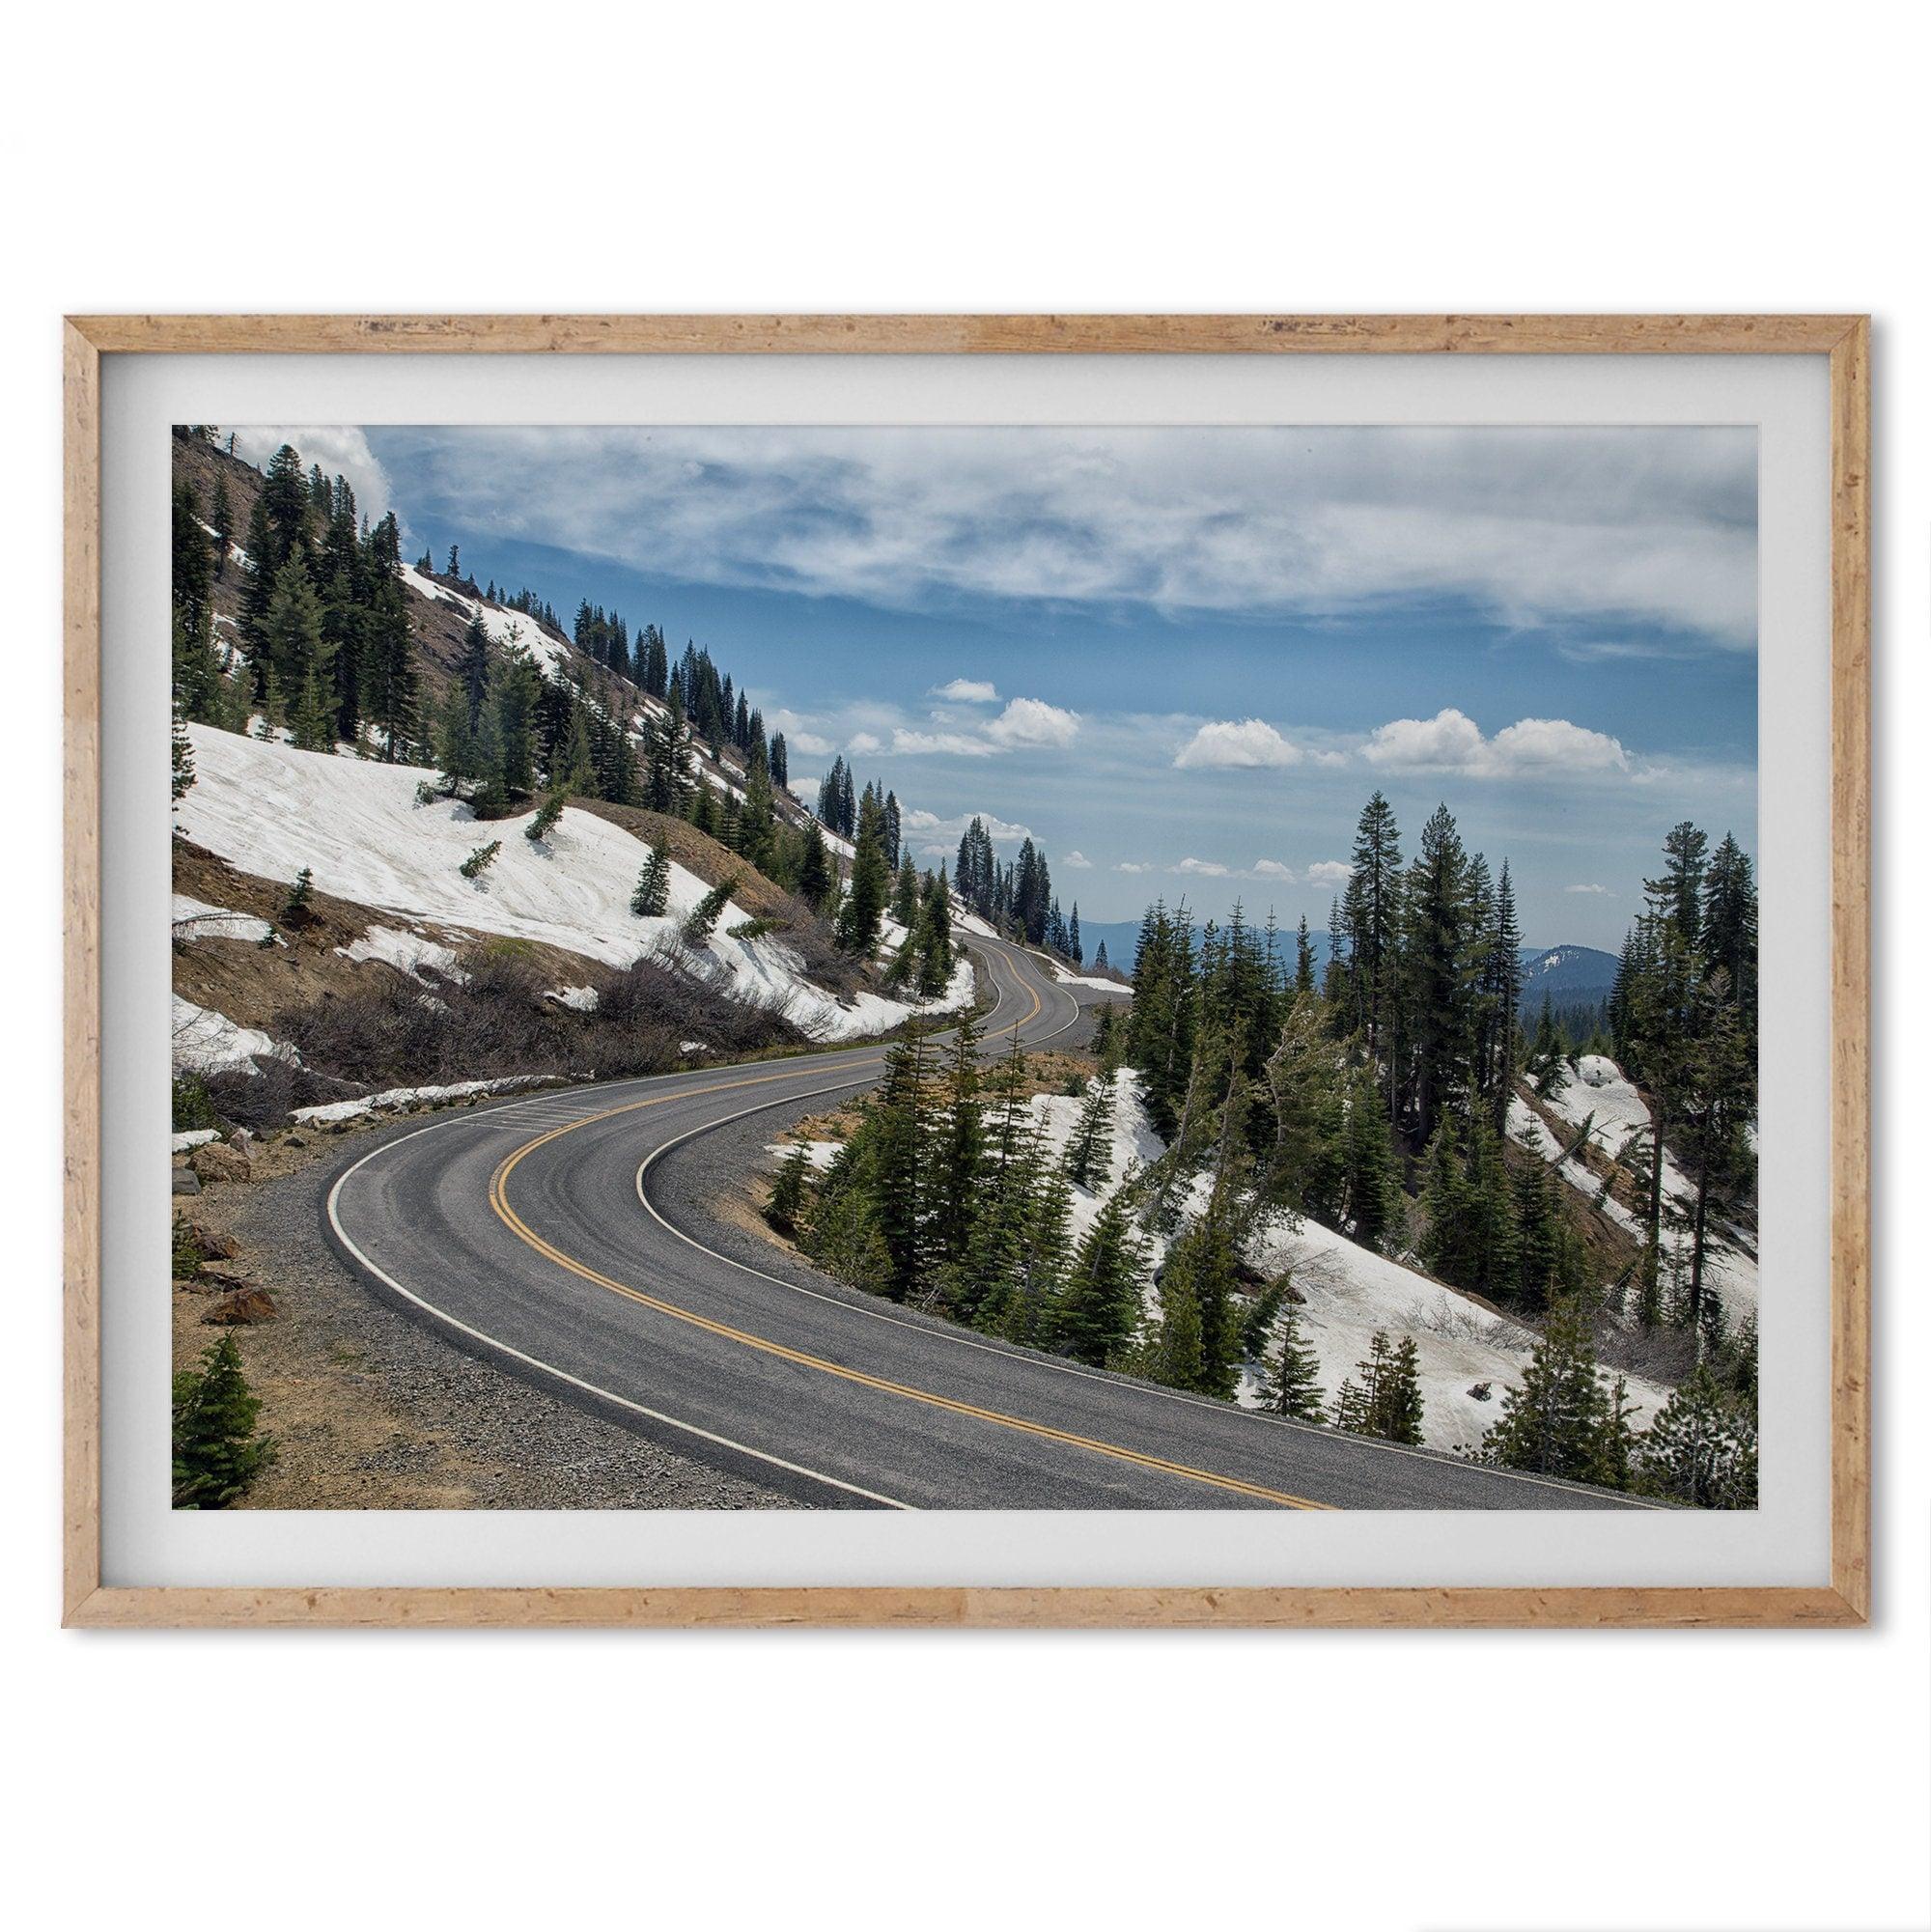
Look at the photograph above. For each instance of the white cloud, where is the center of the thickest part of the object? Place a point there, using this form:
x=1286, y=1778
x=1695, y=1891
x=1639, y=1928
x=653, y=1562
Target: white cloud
x=1453, y=741
x=1077, y=862
x=1329, y=872
x=1249, y=746
x=1032, y=721
x=967, y=692
x=1130, y=866
x=1598, y=529
x=864, y=741
x=341, y=452
x=997, y=829
x=1204, y=868
x=945, y=744
x=1604, y=890
x=810, y=744
x=1272, y=868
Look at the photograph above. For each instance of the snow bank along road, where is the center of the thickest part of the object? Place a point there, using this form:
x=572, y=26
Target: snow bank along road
x=529, y=1231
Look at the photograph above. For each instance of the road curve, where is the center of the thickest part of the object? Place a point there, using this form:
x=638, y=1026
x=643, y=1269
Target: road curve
x=530, y=1232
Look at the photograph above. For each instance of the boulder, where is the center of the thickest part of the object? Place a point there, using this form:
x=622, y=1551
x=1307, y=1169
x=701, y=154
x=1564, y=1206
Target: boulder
x=214, y=1245
x=242, y=1307
x=219, y=1163
x=227, y=1275
x=187, y=1181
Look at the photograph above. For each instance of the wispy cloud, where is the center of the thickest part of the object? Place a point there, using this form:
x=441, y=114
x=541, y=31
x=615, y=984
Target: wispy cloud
x=967, y=692
x=1534, y=526
x=1601, y=891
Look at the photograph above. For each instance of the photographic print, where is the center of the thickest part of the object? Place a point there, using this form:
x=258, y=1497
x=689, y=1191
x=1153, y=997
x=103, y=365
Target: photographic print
x=964, y=968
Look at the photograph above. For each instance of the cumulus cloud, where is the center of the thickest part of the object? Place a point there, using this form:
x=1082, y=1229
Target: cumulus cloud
x=1252, y=745
x=864, y=741
x=1078, y=861
x=1272, y=868
x=1602, y=890
x=1204, y=868
x=1453, y=741
x=1133, y=865
x=1032, y=721
x=1329, y=872
x=810, y=744
x=967, y=692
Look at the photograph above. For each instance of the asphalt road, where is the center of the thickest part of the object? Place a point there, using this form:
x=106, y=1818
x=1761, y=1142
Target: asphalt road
x=531, y=1233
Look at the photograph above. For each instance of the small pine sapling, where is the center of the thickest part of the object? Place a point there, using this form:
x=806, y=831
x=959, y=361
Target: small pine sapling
x=548, y=813
x=480, y=859
x=652, y=898
x=297, y=909
x=786, y=1206
x=698, y=928
x=217, y=1452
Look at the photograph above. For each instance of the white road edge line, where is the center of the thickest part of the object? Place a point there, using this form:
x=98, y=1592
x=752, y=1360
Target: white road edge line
x=550, y=1368
x=561, y=1374
x=961, y=1339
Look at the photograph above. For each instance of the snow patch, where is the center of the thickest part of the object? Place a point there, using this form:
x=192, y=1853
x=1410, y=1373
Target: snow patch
x=193, y=919
x=270, y=811
x=207, y=1042
x=408, y=952
x=336, y=1111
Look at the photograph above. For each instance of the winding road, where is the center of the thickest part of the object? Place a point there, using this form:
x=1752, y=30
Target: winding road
x=541, y=1233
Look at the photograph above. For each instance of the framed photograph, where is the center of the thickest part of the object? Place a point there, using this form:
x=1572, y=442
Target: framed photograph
x=968, y=970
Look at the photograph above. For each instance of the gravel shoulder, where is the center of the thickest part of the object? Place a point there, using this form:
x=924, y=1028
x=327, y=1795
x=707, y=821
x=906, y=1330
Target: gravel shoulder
x=371, y=1410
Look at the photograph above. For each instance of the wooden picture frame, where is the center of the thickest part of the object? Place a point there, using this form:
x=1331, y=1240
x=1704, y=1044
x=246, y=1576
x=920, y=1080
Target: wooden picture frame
x=1843, y=340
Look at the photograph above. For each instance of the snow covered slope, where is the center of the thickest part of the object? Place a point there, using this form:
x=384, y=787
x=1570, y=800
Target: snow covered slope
x=272, y=810
x=1601, y=1094
x=1349, y=1291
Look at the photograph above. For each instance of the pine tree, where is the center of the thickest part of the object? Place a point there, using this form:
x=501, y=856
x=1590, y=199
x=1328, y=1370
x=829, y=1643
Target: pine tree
x=703, y=920
x=785, y=1209
x=650, y=899
x=1099, y=1308
x=1089, y=1152
x=816, y=880
x=297, y=909
x=1701, y=1450
x=473, y=675
x=1200, y=1276
x=543, y=821
x=1289, y=1383
x=958, y=1156
x=864, y=907
x=1387, y=1400
x=221, y=516
x=1559, y=1421
x=217, y=1452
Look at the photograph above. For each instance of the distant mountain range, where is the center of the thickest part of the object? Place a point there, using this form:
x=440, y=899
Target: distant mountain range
x=1570, y=975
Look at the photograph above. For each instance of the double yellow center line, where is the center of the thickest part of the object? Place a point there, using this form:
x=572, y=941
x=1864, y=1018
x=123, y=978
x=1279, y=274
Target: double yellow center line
x=499, y=1201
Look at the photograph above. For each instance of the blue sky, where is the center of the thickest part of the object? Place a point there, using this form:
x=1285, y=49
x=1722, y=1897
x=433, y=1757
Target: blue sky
x=1183, y=657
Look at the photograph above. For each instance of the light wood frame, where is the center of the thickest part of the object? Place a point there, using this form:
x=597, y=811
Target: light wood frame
x=1845, y=339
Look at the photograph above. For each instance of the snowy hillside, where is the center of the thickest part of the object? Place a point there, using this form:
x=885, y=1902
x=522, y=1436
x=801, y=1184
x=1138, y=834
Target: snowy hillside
x=356, y=825
x=1349, y=1291
x=1598, y=1093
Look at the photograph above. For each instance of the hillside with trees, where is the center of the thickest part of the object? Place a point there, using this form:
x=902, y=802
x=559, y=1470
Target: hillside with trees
x=1387, y=1111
